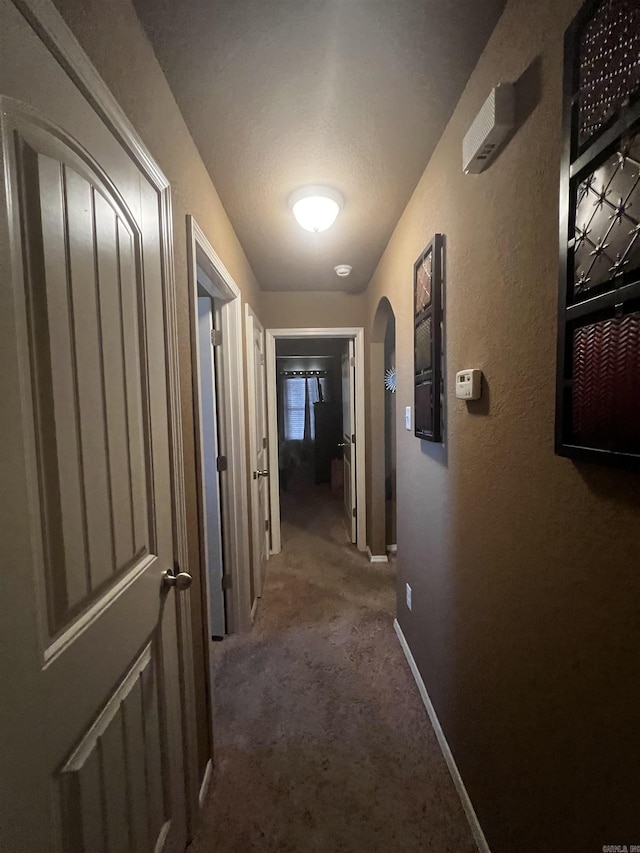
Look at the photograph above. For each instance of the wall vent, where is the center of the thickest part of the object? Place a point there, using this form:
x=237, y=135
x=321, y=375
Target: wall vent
x=489, y=129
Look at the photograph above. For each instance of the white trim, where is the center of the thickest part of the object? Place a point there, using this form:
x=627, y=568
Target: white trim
x=392, y=549
x=254, y=609
x=50, y=26
x=86, y=619
x=89, y=742
x=472, y=817
x=356, y=333
x=232, y=411
x=376, y=558
x=253, y=325
x=206, y=779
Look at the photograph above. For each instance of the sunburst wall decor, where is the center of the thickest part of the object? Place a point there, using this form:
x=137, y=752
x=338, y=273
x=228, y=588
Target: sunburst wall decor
x=390, y=379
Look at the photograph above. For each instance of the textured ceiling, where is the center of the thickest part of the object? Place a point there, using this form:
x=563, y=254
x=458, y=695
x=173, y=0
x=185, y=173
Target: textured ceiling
x=349, y=93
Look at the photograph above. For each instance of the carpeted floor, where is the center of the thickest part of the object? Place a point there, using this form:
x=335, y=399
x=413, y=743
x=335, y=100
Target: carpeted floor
x=322, y=743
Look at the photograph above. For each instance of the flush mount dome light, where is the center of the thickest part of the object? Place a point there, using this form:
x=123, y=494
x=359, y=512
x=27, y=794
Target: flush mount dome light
x=343, y=270
x=316, y=208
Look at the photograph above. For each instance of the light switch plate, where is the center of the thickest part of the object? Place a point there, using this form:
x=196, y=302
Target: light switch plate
x=407, y=417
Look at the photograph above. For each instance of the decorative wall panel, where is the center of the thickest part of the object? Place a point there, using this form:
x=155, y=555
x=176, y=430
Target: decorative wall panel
x=606, y=384
x=428, y=284
x=609, y=63
x=598, y=362
x=607, y=228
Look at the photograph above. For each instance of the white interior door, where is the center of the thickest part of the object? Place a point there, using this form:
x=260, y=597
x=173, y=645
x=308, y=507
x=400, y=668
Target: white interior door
x=210, y=474
x=349, y=438
x=258, y=449
x=90, y=733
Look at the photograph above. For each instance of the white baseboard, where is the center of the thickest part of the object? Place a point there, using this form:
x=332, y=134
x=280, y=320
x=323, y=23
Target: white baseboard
x=205, y=782
x=254, y=610
x=392, y=549
x=469, y=811
x=376, y=558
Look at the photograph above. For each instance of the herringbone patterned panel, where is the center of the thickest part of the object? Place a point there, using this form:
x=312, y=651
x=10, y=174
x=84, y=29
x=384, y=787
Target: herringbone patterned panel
x=606, y=385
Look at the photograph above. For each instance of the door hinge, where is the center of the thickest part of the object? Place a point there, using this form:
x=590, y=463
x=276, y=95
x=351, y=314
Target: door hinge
x=227, y=583
x=353, y=361
x=221, y=463
x=216, y=337
x=353, y=438
x=261, y=359
x=264, y=442
x=355, y=512
x=266, y=524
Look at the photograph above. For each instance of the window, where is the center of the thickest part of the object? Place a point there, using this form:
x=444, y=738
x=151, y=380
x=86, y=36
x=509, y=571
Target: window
x=294, y=408
x=299, y=393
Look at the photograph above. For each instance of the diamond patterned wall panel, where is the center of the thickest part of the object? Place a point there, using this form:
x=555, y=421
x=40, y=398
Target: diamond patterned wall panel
x=424, y=275
x=608, y=220
x=609, y=64
x=606, y=384
x=423, y=345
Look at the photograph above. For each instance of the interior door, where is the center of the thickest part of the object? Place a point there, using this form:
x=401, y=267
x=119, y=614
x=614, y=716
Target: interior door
x=210, y=473
x=349, y=438
x=90, y=733
x=259, y=452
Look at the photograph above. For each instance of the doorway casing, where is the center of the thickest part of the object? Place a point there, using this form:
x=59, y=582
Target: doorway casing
x=356, y=334
x=231, y=420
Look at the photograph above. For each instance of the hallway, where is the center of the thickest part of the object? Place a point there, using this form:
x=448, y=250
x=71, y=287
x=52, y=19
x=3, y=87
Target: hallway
x=322, y=741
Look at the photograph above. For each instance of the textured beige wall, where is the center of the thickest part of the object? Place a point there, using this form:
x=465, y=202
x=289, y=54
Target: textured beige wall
x=282, y=310
x=524, y=566
x=118, y=47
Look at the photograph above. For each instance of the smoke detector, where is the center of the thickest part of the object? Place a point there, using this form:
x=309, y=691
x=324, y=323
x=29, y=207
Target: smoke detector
x=490, y=128
x=343, y=270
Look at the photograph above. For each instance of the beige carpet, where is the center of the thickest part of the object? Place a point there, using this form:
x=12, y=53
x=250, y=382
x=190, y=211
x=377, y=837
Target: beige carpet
x=321, y=740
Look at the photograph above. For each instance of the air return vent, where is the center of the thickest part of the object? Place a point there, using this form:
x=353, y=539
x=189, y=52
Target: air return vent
x=489, y=129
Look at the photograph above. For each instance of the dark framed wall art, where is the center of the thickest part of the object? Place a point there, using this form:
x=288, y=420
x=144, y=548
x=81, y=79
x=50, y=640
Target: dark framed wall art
x=598, y=379
x=428, y=290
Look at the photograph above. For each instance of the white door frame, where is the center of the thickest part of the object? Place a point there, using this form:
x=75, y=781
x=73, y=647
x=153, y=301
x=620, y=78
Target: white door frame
x=233, y=483
x=49, y=24
x=252, y=322
x=355, y=333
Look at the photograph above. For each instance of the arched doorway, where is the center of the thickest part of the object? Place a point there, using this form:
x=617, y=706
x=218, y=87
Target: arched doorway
x=382, y=418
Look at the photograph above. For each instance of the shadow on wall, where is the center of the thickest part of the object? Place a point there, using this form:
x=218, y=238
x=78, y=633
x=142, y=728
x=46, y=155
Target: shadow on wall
x=483, y=405
x=611, y=484
x=528, y=88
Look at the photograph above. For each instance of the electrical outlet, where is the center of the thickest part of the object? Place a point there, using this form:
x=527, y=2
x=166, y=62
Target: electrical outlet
x=408, y=596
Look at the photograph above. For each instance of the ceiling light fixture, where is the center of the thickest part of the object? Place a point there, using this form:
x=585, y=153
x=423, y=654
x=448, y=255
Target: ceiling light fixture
x=316, y=208
x=343, y=270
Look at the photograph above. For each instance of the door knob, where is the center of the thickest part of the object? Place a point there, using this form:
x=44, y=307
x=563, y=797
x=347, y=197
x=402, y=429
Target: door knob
x=257, y=474
x=342, y=444
x=176, y=580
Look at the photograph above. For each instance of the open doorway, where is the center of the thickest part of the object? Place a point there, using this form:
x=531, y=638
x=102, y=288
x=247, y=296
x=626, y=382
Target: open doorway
x=309, y=415
x=315, y=391
x=390, y=435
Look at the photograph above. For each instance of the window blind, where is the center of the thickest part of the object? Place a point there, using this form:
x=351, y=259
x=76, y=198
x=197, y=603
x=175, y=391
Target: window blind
x=299, y=394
